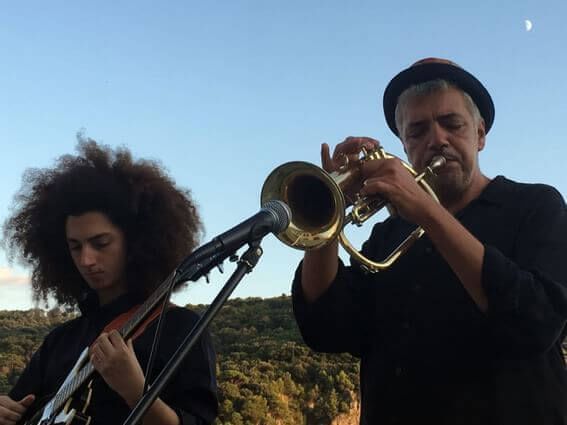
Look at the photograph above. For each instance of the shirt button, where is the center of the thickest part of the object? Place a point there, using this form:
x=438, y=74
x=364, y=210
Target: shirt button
x=428, y=250
x=405, y=325
x=399, y=371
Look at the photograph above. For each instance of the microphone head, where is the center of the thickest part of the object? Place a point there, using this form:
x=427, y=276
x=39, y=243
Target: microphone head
x=281, y=213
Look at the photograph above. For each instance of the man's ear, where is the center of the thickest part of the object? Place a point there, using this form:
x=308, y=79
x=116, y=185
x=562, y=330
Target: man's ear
x=481, y=135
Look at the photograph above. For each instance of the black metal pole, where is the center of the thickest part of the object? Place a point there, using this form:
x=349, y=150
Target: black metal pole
x=245, y=265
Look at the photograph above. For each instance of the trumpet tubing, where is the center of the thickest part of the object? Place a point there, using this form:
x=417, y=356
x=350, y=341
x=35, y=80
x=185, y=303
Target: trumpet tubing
x=318, y=207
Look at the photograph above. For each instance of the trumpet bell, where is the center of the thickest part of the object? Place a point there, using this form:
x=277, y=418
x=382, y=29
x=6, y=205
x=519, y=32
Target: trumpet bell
x=316, y=202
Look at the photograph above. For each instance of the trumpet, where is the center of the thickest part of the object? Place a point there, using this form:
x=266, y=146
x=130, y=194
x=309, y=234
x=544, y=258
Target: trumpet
x=318, y=204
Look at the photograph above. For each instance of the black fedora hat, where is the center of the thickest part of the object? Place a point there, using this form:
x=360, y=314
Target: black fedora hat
x=432, y=69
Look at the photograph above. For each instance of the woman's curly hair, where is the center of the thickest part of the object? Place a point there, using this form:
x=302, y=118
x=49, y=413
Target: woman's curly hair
x=160, y=221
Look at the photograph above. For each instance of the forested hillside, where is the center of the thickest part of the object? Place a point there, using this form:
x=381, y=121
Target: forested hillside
x=266, y=374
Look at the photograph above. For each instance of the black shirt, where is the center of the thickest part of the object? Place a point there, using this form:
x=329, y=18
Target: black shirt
x=191, y=393
x=428, y=354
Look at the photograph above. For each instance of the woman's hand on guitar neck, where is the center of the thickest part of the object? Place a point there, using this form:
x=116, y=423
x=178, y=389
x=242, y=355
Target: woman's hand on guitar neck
x=118, y=365
x=11, y=411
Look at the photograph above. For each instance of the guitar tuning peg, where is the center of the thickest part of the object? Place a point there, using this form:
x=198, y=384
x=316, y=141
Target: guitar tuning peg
x=207, y=279
x=220, y=267
x=233, y=258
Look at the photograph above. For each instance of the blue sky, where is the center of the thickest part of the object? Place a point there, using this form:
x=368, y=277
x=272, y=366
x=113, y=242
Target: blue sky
x=221, y=92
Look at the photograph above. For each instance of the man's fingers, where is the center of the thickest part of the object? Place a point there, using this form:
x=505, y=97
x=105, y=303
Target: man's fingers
x=27, y=401
x=104, y=345
x=381, y=167
x=348, y=151
x=10, y=405
x=353, y=145
x=116, y=339
x=326, y=160
x=373, y=186
x=9, y=415
x=12, y=411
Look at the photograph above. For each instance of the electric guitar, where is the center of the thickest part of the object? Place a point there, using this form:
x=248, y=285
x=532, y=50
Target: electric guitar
x=62, y=408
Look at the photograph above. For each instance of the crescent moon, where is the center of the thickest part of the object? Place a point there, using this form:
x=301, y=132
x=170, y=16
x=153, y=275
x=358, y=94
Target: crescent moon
x=528, y=25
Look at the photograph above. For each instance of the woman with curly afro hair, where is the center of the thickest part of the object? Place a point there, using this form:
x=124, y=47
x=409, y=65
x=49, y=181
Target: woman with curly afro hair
x=101, y=231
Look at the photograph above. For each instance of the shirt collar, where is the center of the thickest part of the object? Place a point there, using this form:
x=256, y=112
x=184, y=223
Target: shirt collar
x=90, y=306
x=495, y=191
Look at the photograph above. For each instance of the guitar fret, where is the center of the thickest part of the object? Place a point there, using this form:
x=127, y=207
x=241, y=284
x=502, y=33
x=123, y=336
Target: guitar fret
x=56, y=401
x=145, y=308
x=59, y=400
x=65, y=394
x=80, y=378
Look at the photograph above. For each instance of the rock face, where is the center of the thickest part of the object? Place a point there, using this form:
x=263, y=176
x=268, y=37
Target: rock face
x=350, y=418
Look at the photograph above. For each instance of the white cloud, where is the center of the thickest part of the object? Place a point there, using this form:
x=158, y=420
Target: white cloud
x=15, y=290
x=10, y=277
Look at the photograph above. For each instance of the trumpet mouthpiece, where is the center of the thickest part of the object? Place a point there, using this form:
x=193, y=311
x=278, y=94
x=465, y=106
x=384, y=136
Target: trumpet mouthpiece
x=437, y=162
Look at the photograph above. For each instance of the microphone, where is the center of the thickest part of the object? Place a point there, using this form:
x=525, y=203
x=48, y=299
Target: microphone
x=273, y=217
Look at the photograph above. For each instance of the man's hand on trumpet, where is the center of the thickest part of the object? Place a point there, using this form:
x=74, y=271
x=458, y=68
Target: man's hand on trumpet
x=347, y=154
x=391, y=180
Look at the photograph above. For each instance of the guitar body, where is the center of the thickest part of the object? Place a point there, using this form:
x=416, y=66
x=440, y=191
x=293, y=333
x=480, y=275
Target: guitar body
x=67, y=416
x=73, y=412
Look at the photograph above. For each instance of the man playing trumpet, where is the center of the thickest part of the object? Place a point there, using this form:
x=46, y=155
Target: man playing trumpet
x=467, y=326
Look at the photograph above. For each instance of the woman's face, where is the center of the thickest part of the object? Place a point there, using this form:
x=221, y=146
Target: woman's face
x=98, y=249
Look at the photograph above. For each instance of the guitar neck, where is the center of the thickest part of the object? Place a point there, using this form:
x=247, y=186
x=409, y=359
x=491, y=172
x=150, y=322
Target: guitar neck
x=145, y=309
x=127, y=329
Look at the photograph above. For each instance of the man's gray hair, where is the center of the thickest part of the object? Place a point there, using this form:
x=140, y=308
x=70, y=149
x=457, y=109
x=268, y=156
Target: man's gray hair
x=429, y=87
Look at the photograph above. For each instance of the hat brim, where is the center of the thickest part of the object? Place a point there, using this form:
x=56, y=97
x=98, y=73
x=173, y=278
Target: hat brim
x=432, y=71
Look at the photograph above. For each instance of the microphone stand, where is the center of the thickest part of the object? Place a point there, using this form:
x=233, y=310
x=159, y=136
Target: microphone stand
x=246, y=264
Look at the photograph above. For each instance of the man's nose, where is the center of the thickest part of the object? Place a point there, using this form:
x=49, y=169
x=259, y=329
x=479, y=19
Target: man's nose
x=438, y=138
x=88, y=257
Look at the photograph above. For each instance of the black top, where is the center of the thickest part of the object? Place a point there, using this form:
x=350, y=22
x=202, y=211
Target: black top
x=191, y=393
x=428, y=354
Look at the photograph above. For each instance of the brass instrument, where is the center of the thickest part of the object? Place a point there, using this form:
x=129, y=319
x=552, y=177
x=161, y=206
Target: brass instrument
x=318, y=205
